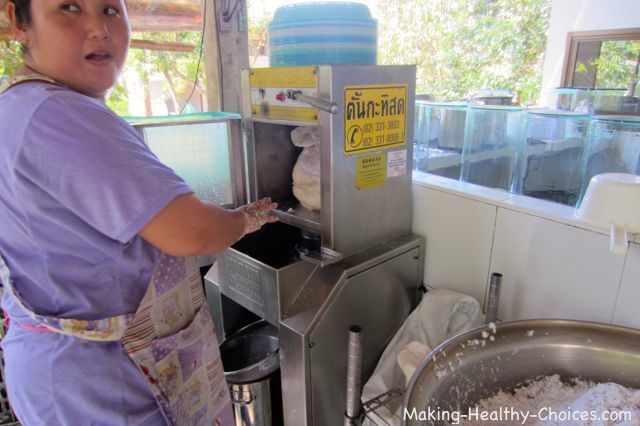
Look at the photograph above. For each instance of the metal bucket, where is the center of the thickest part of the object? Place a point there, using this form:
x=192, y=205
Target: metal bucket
x=250, y=358
x=475, y=365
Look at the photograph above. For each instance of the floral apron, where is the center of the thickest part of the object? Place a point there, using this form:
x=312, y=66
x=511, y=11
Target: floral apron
x=170, y=338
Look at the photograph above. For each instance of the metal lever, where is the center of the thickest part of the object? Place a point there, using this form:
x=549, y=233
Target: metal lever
x=319, y=103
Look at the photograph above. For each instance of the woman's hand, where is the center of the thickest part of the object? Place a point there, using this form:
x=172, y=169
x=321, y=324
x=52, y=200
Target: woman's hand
x=257, y=214
x=188, y=226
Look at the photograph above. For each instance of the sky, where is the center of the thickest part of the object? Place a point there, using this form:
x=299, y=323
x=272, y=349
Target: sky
x=258, y=7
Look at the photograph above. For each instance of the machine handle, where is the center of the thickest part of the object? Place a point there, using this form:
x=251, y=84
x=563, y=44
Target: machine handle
x=319, y=103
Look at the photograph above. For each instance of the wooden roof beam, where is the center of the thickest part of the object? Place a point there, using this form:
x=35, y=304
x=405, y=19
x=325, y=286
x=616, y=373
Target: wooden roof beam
x=167, y=46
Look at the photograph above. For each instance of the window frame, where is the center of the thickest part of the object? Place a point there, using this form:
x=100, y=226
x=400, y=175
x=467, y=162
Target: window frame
x=575, y=37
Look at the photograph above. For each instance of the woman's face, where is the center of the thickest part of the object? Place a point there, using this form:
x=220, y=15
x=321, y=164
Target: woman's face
x=80, y=43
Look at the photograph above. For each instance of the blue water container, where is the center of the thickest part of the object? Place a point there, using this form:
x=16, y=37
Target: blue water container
x=324, y=33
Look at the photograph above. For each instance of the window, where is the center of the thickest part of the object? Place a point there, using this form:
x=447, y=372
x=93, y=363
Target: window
x=607, y=59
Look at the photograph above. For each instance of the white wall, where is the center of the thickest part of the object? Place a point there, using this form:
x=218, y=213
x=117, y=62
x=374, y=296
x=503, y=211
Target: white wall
x=582, y=15
x=553, y=266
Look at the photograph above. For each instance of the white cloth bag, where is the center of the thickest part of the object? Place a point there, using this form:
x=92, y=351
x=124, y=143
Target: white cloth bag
x=441, y=314
x=306, y=171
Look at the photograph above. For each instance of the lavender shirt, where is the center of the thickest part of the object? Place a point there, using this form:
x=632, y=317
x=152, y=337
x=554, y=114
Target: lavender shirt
x=76, y=186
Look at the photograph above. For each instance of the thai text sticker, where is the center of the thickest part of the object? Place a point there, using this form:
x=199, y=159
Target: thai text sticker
x=371, y=171
x=374, y=117
x=397, y=163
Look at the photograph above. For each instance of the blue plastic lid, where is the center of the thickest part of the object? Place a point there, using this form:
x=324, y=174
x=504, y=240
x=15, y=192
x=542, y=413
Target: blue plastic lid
x=323, y=33
x=321, y=11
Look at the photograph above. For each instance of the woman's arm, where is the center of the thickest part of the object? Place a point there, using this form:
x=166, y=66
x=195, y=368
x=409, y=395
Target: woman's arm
x=188, y=226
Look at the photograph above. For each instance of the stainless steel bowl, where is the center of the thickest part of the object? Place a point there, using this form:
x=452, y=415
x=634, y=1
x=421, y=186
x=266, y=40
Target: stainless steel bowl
x=476, y=364
x=251, y=354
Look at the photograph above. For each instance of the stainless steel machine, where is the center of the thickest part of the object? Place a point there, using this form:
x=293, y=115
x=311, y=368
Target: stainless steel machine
x=352, y=262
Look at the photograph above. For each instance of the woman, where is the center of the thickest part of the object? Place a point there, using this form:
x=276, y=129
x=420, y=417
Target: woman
x=107, y=321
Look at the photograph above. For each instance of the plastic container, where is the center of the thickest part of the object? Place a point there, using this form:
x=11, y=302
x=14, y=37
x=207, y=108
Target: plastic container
x=612, y=201
x=323, y=33
x=549, y=156
x=440, y=126
x=491, y=136
x=250, y=358
x=613, y=146
x=494, y=97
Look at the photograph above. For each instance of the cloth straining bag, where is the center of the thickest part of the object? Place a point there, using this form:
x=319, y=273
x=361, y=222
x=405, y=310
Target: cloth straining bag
x=441, y=314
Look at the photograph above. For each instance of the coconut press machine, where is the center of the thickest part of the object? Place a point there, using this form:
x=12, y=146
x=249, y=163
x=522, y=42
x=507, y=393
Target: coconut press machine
x=315, y=273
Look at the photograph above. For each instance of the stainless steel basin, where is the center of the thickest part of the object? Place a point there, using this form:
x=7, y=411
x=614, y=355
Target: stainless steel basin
x=476, y=364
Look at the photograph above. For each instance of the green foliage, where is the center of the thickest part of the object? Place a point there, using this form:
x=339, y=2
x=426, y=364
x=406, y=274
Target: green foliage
x=118, y=100
x=11, y=58
x=461, y=47
x=257, y=30
x=178, y=68
x=617, y=65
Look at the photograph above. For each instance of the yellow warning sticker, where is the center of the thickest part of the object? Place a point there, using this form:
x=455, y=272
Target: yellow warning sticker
x=371, y=171
x=309, y=115
x=374, y=117
x=289, y=77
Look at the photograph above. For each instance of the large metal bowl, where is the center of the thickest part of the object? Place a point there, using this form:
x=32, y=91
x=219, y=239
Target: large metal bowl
x=476, y=364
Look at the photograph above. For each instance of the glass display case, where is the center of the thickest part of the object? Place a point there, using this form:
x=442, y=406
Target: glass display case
x=491, y=136
x=597, y=101
x=201, y=149
x=549, y=155
x=439, y=132
x=613, y=146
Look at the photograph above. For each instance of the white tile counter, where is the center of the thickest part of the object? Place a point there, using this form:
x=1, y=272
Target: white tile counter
x=553, y=266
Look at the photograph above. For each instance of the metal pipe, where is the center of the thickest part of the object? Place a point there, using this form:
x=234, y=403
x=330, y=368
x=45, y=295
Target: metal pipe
x=354, y=377
x=319, y=103
x=494, y=298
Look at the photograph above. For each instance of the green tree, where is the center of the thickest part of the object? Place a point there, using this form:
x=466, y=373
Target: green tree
x=617, y=65
x=118, y=100
x=11, y=58
x=178, y=68
x=461, y=47
x=259, y=18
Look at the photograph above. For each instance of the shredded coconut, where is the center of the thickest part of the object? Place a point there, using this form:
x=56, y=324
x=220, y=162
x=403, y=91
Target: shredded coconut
x=554, y=395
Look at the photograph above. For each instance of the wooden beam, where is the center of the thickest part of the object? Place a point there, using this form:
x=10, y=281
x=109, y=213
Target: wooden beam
x=211, y=58
x=152, y=23
x=6, y=34
x=150, y=16
x=167, y=46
